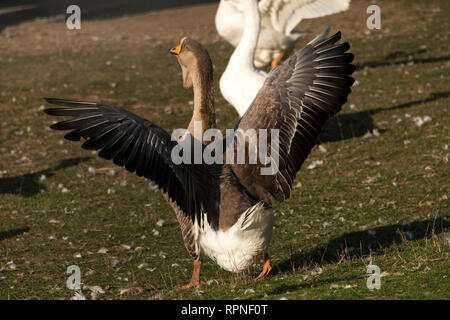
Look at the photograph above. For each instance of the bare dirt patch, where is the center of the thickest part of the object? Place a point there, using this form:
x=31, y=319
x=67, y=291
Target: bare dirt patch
x=123, y=34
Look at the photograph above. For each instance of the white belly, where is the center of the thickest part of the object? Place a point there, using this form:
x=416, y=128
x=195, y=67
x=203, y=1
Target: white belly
x=235, y=249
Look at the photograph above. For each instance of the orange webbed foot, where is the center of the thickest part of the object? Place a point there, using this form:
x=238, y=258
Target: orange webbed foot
x=266, y=269
x=277, y=60
x=193, y=284
x=195, y=280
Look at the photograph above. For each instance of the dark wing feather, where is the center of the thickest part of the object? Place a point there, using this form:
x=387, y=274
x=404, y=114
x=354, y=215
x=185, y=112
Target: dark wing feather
x=297, y=98
x=142, y=147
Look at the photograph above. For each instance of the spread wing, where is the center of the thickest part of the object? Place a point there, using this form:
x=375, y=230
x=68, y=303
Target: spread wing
x=285, y=15
x=297, y=98
x=142, y=147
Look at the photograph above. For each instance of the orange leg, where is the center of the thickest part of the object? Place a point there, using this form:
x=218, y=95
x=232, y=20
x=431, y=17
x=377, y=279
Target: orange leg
x=267, y=267
x=195, y=280
x=277, y=60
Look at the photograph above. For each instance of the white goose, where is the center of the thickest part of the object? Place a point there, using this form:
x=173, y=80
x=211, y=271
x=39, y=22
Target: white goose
x=279, y=18
x=252, y=29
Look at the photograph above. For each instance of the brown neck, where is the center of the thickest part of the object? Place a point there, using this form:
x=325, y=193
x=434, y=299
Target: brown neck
x=204, y=112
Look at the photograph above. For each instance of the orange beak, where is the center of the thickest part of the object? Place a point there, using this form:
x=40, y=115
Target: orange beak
x=176, y=50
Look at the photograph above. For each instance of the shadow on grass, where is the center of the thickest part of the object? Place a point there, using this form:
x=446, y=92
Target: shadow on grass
x=390, y=59
x=356, y=245
x=360, y=243
x=309, y=284
x=28, y=184
x=357, y=124
x=13, y=233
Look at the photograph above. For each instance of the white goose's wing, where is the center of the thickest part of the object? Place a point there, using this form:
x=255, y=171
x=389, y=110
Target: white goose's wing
x=297, y=99
x=285, y=15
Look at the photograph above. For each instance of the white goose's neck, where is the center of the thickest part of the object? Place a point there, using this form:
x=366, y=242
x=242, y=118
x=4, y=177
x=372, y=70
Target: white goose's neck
x=244, y=53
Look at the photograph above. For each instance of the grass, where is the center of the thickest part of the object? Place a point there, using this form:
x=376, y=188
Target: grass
x=377, y=199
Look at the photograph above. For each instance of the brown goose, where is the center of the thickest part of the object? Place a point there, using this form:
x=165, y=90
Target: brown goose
x=224, y=210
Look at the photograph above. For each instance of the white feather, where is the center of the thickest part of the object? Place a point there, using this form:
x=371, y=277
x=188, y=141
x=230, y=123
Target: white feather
x=285, y=15
x=236, y=249
x=278, y=19
x=260, y=33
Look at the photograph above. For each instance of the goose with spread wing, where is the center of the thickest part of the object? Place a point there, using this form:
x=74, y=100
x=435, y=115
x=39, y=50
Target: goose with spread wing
x=224, y=210
x=278, y=18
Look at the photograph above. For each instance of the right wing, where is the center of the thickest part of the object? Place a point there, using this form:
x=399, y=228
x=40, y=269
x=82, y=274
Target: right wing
x=142, y=147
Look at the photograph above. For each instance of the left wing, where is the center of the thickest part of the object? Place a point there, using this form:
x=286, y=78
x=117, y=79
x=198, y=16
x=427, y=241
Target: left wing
x=297, y=99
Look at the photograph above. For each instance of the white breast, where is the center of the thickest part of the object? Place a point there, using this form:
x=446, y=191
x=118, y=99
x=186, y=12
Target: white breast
x=239, y=85
x=235, y=249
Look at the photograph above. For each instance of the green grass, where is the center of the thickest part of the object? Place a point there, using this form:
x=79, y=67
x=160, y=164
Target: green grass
x=321, y=247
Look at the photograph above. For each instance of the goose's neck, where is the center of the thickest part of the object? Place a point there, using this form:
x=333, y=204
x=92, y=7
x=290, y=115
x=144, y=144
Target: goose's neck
x=204, y=112
x=245, y=51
